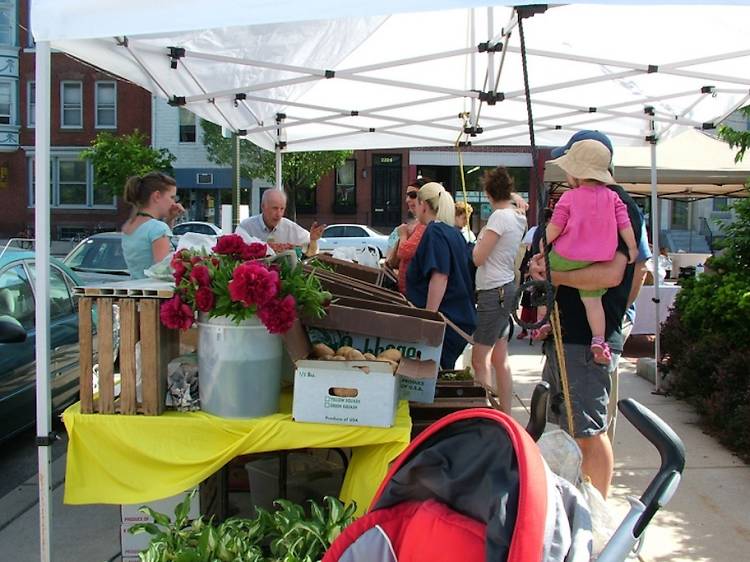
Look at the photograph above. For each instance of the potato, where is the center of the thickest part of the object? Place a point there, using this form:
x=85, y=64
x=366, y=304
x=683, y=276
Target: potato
x=328, y=357
x=338, y=358
x=343, y=350
x=391, y=354
x=370, y=357
x=344, y=392
x=355, y=355
x=393, y=365
x=322, y=350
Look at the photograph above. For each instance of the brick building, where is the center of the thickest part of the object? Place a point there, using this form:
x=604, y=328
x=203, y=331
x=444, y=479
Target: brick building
x=84, y=102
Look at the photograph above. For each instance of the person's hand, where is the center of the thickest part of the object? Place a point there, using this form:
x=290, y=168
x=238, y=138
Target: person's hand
x=520, y=202
x=316, y=231
x=403, y=230
x=175, y=211
x=537, y=268
x=632, y=254
x=279, y=247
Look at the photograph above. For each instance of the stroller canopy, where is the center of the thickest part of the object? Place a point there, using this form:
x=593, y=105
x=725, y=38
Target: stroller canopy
x=473, y=486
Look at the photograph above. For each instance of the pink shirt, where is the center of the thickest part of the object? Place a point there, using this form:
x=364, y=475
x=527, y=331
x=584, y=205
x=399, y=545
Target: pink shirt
x=590, y=216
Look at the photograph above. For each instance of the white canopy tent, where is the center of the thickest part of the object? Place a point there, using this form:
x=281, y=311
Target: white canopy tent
x=692, y=164
x=296, y=76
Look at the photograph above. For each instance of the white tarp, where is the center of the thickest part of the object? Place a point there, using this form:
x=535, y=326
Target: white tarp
x=590, y=66
x=691, y=164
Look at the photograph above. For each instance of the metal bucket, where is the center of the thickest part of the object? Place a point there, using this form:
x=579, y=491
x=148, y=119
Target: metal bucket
x=239, y=368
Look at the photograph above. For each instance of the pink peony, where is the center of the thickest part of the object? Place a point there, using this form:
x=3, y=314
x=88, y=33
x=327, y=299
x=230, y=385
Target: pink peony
x=253, y=284
x=175, y=314
x=234, y=245
x=179, y=271
x=201, y=275
x=278, y=315
x=204, y=299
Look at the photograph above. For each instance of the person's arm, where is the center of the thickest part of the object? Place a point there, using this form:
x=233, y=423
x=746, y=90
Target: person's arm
x=629, y=237
x=484, y=247
x=553, y=231
x=600, y=275
x=161, y=248
x=436, y=290
x=639, y=276
x=316, y=231
x=175, y=211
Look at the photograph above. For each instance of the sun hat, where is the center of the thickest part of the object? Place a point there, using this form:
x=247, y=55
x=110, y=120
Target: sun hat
x=584, y=135
x=586, y=159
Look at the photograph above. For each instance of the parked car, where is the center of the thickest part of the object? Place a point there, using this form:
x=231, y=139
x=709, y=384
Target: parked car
x=197, y=226
x=99, y=259
x=352, y=235
x=18, y=339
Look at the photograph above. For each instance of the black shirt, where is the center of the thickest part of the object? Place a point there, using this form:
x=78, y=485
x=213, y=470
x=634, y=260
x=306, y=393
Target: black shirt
x=573, y=321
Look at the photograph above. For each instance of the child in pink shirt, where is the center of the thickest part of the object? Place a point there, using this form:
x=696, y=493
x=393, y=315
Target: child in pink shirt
x=584, y=228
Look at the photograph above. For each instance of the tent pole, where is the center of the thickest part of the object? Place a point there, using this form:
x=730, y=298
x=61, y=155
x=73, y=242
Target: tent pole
x=279, y=184
x=655, y=243
x=42, y=258
x=473, y=65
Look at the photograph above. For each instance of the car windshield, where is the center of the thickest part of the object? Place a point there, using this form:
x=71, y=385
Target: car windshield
x=98, y=254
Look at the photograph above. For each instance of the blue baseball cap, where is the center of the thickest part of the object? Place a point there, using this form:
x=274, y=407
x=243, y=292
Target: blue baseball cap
x=584, y=135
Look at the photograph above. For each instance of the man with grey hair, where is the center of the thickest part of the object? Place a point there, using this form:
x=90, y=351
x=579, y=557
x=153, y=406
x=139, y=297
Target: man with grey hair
x=276, y=230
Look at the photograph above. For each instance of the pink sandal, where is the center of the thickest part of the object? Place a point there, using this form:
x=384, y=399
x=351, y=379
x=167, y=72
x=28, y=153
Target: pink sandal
x=600, y=351
x=541, y=333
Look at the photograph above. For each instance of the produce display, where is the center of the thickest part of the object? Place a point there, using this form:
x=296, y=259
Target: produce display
x=321, y=351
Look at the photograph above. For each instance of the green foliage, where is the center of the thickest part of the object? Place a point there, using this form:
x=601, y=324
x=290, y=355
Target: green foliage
x=706, y=339
x=286, y=535
x=299, y=170
x=116, y=158
x=737, y=139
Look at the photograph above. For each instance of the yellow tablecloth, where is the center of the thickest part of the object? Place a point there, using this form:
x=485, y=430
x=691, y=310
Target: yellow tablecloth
x=120, y=459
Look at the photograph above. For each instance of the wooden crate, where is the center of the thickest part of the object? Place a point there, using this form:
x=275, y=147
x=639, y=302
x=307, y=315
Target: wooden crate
x=139, y=320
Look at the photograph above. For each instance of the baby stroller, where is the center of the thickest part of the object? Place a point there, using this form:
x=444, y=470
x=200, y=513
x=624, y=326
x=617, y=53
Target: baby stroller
x=451, y=496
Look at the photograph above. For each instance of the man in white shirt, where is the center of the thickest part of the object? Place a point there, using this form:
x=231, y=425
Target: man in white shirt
x=279, y=232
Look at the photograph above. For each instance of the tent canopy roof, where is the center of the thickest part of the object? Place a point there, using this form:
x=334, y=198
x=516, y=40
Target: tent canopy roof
x=362, y=79
x=691, y=164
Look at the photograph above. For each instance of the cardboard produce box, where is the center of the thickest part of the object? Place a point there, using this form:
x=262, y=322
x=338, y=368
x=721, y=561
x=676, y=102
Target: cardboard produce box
x=365, y=273
x=131, y=514
x=344, y=286
x=373, y=327
x=372, y=393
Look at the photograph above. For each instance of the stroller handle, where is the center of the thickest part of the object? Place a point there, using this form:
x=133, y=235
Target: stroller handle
x=672, y=453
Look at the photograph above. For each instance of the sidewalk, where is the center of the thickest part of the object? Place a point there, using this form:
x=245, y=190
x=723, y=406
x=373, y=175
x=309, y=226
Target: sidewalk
x=707, y=520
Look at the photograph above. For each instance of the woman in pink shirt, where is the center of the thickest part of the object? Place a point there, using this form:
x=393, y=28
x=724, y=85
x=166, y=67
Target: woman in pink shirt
x=584, y=228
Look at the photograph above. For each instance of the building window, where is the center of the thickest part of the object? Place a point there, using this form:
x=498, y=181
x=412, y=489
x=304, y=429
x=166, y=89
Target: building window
x=7, y=23
x=345, y=195
x=204, y=178
x=72, y=185
x=71, y=94
x=72, y=182
x=6, y=103
x=187, y=125
x=721, y=204
x=106, y=105
x=305, y=200
x=31, y=104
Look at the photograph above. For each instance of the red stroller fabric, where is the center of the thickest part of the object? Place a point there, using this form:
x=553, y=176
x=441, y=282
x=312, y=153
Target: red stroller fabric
x=473, y=486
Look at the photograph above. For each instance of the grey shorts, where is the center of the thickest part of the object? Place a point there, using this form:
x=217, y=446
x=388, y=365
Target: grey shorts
x=590, y=386
x=493, y=314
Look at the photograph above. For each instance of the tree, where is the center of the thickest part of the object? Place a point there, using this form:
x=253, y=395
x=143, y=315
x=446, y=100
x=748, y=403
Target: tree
x=737, y=139
x=116, y=158
x=299, y=170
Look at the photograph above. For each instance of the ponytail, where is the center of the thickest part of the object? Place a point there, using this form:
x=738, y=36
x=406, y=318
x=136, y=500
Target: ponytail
x=138, y=189
x=440, y=201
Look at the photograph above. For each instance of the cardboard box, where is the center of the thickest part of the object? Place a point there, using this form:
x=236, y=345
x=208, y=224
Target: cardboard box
x=375, y=403
x=345, y=286
x=365, y=273
x=130, y=513
x=373, y=327
x=131, y=545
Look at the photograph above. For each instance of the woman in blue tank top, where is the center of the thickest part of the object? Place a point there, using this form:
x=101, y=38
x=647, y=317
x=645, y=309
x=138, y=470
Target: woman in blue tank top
x=146, y=235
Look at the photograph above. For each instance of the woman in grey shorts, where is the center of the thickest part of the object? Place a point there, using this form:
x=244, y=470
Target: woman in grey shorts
x=495, y=256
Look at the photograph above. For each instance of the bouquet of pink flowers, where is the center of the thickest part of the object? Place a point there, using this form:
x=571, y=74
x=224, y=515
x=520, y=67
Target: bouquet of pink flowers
x=237, y=281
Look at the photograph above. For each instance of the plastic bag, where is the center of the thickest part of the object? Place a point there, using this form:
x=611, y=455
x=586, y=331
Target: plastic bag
x=564, y=458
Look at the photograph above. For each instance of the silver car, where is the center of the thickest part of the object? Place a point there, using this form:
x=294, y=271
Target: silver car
x=99, y=259
x=352, y=236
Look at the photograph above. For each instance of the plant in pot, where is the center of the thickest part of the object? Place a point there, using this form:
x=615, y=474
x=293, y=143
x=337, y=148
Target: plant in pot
x=243, y=301
x=286, y=535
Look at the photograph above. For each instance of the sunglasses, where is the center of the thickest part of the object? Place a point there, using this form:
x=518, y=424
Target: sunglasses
x=412, y=194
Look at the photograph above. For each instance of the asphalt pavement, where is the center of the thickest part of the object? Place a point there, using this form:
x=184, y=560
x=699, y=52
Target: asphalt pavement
x=707, y=520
